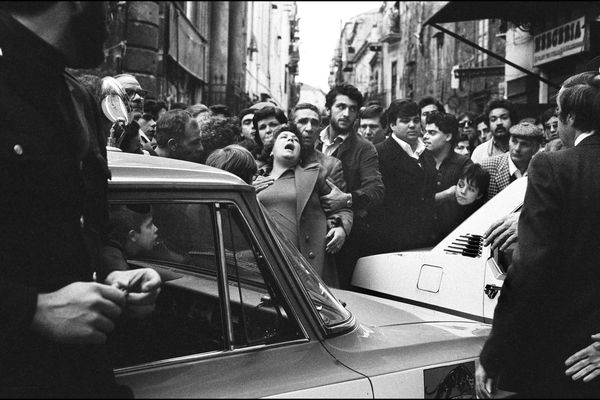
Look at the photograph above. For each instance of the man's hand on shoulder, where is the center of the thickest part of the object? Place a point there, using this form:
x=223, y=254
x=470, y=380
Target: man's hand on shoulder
x=336, y=199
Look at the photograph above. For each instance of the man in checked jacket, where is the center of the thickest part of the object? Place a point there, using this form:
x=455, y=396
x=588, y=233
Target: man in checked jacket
x=525, y=142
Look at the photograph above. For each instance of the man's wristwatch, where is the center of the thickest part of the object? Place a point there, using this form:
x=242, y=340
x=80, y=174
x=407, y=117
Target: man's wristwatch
x=349, y=202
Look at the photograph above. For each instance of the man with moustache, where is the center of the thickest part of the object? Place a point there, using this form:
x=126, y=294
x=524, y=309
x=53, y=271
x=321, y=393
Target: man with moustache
x=525, y=141
x=361, y=172
x=56, y=315
x=405, y=220
x=548, y=305
x=501, y=116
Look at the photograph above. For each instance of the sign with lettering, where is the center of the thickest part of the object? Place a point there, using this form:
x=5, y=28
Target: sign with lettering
x=559, y=42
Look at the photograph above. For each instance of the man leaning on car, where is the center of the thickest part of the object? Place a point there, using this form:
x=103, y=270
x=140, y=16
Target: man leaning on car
x=55, y=318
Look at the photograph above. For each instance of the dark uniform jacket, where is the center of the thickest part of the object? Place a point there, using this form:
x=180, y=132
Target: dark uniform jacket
x=406, y=218
x=53, y=181
x=548, y=305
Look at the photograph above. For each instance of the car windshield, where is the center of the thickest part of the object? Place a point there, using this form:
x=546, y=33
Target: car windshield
x=328, y=308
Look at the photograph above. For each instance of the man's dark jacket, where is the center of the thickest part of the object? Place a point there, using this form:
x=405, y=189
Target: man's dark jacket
x=405, y=220
x=548, y=306
x=53, y=180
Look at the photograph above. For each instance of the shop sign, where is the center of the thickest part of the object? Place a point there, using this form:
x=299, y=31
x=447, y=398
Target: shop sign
x=559, y=42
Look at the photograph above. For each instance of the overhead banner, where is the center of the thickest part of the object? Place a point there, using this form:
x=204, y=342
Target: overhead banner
x=559, y=42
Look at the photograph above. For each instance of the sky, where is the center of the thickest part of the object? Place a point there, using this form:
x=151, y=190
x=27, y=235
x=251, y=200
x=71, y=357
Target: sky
x=319, y=33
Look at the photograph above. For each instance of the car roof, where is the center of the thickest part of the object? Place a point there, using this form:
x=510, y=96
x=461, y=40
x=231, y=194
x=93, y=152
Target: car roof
x=148, y=170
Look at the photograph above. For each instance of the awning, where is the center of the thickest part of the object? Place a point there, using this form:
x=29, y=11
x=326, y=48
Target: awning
x=517, y=12
x=520, y=11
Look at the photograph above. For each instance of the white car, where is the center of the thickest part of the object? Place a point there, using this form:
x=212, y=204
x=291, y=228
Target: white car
x=458, y=276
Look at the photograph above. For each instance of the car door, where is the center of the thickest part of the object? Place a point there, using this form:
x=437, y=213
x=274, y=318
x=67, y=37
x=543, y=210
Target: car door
x=223, y=325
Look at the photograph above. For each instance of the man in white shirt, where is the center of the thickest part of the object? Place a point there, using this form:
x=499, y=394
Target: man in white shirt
x=405, y=220
x=501, y=116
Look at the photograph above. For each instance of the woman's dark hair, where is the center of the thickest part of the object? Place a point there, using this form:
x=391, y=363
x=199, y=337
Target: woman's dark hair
x=476, y=175
x=259, y=115
x=234, y=159
x=217, y=132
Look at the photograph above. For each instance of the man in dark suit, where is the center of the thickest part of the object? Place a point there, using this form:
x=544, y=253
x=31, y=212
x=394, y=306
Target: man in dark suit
x=53, y=208
x=405, y=220
x=548, y=306
x=361, y=172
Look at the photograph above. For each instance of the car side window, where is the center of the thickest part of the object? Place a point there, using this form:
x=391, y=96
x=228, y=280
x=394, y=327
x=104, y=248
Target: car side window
x=260, y=313
x=192, y=315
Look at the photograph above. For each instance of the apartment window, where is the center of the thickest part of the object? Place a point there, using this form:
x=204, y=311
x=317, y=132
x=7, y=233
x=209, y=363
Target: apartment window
x=483, y=39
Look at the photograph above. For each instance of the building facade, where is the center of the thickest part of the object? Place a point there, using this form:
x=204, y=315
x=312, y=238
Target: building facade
x=410, y=58
x=210, y=52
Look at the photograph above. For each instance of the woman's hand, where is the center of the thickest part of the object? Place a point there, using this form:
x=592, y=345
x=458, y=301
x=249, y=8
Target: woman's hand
x=262, y=182
x=335, y=239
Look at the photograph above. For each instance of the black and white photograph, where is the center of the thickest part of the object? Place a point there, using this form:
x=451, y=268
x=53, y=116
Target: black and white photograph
x=300, y=199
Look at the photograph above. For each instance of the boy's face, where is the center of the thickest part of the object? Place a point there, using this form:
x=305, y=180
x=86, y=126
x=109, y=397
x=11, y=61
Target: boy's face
x=466, y=193
x=146, y=237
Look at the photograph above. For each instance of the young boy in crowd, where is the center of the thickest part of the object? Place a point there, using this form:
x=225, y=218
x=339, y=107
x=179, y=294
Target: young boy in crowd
x=132, y=231
x=471, y=189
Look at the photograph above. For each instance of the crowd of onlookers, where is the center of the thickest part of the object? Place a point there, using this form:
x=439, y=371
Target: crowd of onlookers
x=357, y=179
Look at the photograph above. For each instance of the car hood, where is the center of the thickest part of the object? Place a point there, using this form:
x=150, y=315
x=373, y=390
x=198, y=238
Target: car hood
x=392, y=336
x=379, y=312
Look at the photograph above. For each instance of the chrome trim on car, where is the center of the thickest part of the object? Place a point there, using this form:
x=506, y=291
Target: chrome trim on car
x=224, y=282
x=204, y=356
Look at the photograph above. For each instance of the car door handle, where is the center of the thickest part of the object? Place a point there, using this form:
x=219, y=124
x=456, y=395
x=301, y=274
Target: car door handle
x=491, y=290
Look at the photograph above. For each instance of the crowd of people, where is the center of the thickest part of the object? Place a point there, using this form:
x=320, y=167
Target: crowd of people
x=368, y=180
x=387, y=180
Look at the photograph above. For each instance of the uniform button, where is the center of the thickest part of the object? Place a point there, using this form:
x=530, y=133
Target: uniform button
x=311, y=255
x=307, y=238
x=18, y=149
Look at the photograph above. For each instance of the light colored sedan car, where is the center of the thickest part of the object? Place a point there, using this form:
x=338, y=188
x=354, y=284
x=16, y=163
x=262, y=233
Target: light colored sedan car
x=242, y=314
x=458, y=276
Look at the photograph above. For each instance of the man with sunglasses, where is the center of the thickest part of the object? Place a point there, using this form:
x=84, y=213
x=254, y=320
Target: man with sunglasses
x=405, y=220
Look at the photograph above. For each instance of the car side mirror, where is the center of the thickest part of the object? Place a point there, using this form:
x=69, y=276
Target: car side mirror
x=114, y=100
